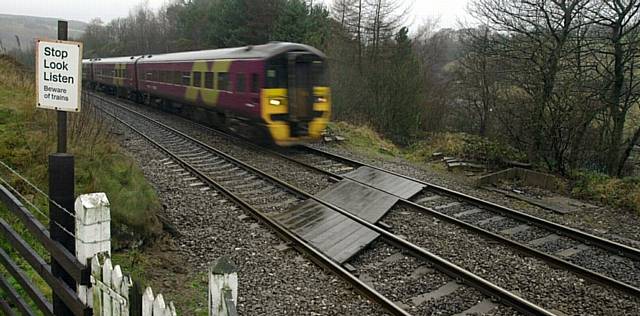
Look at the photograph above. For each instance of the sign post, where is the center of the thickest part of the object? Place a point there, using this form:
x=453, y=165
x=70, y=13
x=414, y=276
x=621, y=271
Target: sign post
x=58, y=84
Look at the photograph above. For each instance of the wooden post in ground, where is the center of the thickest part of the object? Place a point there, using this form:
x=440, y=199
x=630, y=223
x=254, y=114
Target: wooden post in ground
x=61, y=192
x=93, y=233
x=223, y=288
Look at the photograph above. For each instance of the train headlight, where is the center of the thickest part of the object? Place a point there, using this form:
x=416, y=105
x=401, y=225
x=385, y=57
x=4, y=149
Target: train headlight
x=275, y=102
x=321, y=100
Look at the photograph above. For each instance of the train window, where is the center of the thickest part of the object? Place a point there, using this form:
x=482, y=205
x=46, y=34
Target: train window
x=318, y=73
x=241, y=83
x=156, y=75
x=223, y=81
x=208, y=80
x=113, y=73
x=186, y=78
x=176, y=77
x=148, y=76
x=197, y=78
x=276, y=76
x=255, y=83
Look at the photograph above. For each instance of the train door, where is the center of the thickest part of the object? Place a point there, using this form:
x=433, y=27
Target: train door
x=300, y=82
x=241, y=93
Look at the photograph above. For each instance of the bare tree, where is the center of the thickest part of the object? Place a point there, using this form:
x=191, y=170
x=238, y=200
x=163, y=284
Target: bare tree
x=619, y=23
x=539, y=40
x=477, y=76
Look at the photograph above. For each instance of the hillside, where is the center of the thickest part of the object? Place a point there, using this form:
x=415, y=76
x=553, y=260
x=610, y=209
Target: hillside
x=27, y=28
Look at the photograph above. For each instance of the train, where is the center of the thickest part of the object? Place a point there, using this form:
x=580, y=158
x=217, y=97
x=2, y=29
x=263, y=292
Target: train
x=275, y=92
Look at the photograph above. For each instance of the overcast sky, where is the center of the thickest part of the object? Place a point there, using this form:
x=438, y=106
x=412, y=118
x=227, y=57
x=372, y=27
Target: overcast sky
x=448, y=11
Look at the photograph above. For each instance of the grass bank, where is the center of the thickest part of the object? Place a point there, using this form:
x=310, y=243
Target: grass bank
x=27, y=137
x=365, y=140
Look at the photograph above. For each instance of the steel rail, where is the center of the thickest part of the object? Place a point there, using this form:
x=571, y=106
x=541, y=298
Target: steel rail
x=443, y=265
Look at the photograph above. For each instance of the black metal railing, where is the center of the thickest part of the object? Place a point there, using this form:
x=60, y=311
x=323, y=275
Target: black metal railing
x=60, y=254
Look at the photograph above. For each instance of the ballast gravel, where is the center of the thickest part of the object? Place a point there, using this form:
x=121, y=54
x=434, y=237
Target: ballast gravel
x=289, y=172
x=271, y=281
x=534, y=280
x=403, y=278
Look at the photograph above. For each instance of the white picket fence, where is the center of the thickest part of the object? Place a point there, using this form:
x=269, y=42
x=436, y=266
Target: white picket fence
x=113, y=293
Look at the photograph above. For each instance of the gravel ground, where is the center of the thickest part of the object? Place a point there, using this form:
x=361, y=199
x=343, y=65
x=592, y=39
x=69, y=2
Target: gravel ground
x=533, y=279
x=596, y=259
x=271, y=281
x=401, y=277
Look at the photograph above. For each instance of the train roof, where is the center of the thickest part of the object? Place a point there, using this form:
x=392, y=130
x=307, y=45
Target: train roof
x=115, y=60
x=247, y=52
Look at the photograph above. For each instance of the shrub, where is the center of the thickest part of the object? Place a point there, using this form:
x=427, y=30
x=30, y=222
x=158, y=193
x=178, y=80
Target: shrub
x=622, y=193
x=492, y=153
x=363, y=138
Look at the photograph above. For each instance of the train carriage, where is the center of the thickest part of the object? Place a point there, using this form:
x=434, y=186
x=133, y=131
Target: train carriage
x=116, y=74
x=277, y=89
x=87, y=72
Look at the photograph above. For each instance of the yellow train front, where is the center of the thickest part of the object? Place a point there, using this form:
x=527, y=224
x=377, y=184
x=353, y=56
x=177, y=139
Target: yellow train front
x=277, y=90
x=296, y=100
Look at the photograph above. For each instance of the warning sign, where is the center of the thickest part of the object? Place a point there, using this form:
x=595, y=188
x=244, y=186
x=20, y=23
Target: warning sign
x=59, y=75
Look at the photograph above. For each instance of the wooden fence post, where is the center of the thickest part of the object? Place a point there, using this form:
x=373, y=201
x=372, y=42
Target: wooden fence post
x=93, y=233
x=223, y=288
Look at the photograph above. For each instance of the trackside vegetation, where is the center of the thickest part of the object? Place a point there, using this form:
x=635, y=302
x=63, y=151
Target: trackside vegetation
x=27, y=137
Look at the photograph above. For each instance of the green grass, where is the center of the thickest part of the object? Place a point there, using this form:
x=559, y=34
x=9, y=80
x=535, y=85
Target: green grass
x=363, y=139
x=186, y=289
x=27, y=137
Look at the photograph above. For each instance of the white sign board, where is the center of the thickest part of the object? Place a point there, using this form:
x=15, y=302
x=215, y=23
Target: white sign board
x=58, y=75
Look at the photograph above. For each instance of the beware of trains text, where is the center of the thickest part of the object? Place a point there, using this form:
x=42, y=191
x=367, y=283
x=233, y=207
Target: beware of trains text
x=58, y=74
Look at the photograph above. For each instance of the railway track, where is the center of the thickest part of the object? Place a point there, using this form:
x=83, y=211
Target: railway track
x=396, y=269
x=597, y=259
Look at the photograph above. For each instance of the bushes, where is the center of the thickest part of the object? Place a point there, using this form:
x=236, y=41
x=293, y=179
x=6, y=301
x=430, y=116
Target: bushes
x=621, y=193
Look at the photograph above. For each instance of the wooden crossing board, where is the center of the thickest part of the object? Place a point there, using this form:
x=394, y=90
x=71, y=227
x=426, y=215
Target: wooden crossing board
x=332, y=233
x=386, y=182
